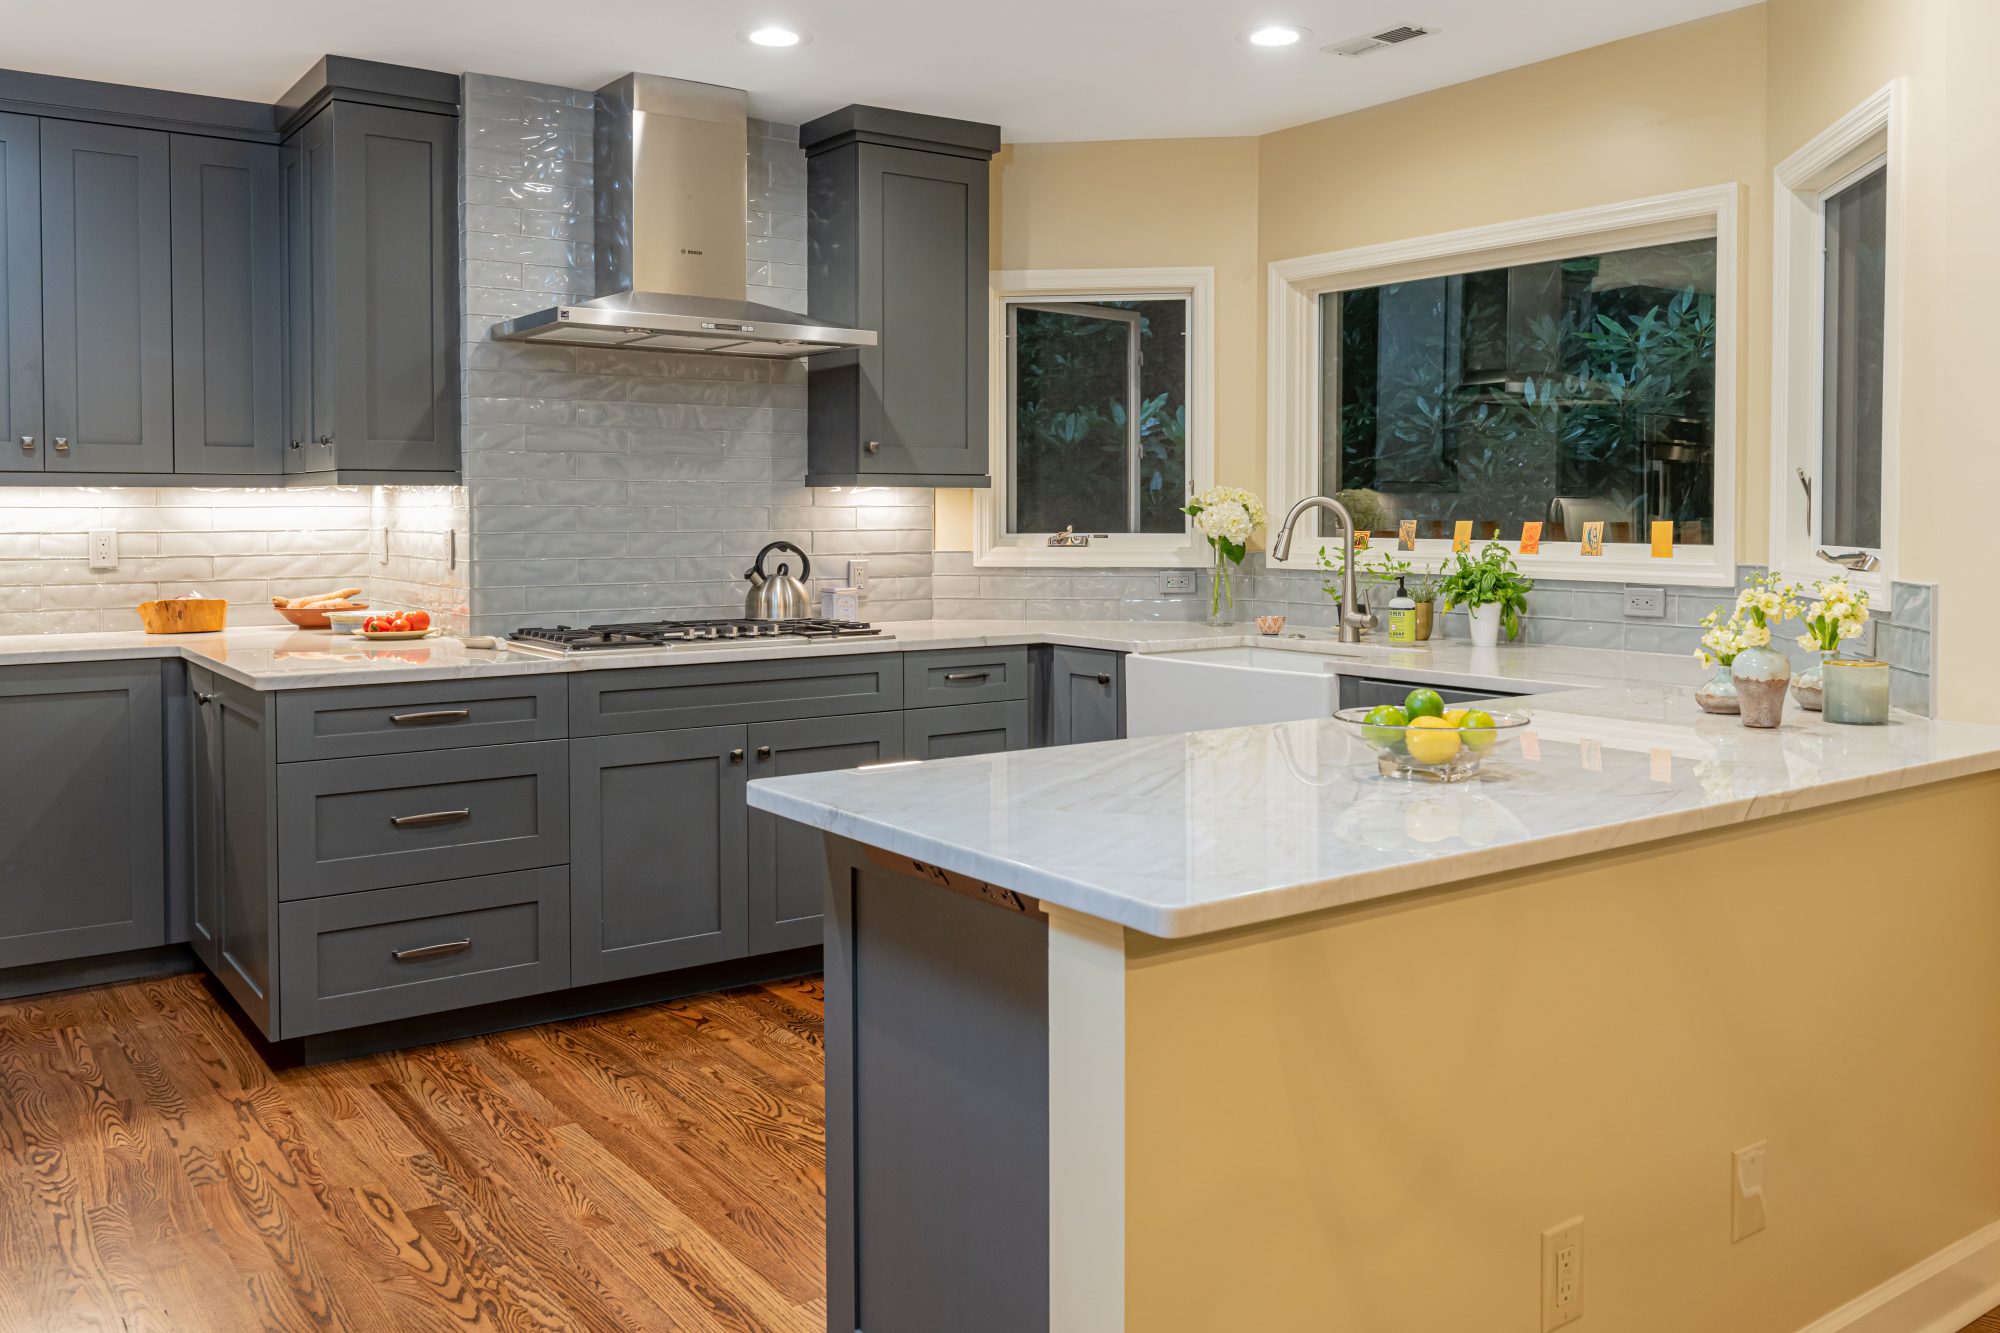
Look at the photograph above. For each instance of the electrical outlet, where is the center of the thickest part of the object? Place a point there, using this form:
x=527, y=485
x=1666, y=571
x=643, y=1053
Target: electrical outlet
x=103, y=549
x=1177, y=580
x=1646, y=602
x=857, y=578
x=1562, y=1275
x=382, y=556
x=1746, y=1192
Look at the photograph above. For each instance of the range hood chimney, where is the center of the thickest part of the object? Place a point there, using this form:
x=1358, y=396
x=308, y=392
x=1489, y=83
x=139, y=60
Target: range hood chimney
x=673, y=199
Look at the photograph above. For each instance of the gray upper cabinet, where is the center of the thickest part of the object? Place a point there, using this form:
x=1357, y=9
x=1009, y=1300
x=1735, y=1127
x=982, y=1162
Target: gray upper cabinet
x=20, y=294
x=82, y=811
x=897, y=242
x=1086, y=696
x=788, y=860
x=107, y=299
x=370, y=195
x=228, y=304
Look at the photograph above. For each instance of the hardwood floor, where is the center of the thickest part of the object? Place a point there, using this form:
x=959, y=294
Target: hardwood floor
x=1986, y=1323
x=653, y=1169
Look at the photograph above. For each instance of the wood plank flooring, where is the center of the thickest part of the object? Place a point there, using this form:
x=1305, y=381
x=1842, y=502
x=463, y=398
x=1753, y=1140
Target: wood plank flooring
x=1986, y=1323
x=654, y=1169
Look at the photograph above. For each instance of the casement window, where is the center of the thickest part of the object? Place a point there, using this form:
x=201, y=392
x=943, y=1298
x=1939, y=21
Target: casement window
x=1836, y=348
x=1565, y=372
x=1101, y=417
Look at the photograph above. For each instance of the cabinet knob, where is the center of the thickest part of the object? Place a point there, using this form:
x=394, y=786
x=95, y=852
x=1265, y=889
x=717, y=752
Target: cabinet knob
x=874, y=446
x=296, y=444
x=1103, y=679
x=27, y=444
x=203, y=700
x=326, y=441
x=763, y=752
x=62, y=444
x=736, y=756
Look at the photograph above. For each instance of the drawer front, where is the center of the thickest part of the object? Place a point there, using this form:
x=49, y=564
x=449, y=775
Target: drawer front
x=964, y=676
x=422, y=949
x=714, y=694
x=946, y=733
x=403, y=719
x=345, y=825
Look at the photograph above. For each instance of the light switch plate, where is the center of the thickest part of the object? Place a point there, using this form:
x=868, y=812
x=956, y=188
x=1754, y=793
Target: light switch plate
x=103, y=549
x=1562, y=1275
x=1746, y=1190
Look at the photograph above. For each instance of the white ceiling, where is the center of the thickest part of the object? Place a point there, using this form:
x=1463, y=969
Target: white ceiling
x=1043, y=69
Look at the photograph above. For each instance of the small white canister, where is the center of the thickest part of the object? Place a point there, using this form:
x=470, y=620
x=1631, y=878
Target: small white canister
x=841, y=604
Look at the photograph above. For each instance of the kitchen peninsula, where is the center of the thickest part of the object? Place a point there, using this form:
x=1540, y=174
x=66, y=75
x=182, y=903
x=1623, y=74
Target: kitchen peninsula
x=1224, y=1030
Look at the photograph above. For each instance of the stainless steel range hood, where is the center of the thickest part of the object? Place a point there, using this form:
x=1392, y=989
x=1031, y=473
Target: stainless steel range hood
x=672, y=182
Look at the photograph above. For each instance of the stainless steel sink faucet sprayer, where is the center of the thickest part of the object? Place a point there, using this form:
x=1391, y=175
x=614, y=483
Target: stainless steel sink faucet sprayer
x=1352, y=622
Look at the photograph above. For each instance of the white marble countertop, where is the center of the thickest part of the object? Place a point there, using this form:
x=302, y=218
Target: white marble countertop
x=1183, y=835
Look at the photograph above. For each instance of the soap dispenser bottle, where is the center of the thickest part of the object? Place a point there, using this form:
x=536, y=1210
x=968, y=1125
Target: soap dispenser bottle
x=1402, y=615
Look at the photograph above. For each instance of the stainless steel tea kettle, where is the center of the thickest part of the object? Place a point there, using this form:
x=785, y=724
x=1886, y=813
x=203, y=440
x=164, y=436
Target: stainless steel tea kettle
x=778, y=596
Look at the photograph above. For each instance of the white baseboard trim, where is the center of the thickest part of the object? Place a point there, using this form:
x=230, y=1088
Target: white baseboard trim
x=1942, y=1294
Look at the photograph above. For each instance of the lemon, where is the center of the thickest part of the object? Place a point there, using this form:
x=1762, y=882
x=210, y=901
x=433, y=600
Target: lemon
x=1424, y=703
x=1384, y=727
x=1476, y=726
x=1432, y=740
x=1455, y=716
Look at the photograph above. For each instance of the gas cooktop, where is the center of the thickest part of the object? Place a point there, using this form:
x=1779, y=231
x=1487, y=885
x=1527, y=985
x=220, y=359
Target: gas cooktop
x=563, y=640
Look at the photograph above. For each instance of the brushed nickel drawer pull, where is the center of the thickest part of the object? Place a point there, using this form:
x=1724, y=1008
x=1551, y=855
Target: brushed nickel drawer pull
x=967, y=675
x=433, y=818
x=430, y=951
x=430, y=718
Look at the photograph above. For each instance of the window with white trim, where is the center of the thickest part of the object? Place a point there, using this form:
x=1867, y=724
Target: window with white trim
x=1561, y=372
x=1101, y=423
x=1836, y=349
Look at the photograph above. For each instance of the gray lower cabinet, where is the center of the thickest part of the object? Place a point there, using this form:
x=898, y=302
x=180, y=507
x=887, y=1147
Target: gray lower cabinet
x=787, y=861
x=397, y=953
x=20, y=294
x=234, y=923
x=657, y=872
x=228, y=301
x=1086, y=699
x=82, y=811
x=107, y=299
x=962, y=729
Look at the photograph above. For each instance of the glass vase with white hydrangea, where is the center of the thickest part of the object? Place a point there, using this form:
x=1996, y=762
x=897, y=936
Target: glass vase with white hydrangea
x=1838, y=613
x=1227, y=516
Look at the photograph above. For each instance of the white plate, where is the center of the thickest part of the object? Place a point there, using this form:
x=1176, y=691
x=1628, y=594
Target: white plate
x=395, y=633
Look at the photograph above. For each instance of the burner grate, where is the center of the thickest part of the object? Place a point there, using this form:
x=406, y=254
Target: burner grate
x=672, y=633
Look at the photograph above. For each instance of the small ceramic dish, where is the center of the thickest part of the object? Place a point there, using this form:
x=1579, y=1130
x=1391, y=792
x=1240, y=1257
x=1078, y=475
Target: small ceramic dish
x=1270, y=624
x=347, y=622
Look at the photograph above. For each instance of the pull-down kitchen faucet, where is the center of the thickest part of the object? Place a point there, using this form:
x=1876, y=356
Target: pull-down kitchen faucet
x=1352, y=622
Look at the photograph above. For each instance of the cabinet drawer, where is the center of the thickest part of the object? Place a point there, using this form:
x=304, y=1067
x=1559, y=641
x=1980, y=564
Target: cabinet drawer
x=713, y=694
x=946, y=733
x=964, y=676
x=400, y=719
x=421, y=949
x=350, y=824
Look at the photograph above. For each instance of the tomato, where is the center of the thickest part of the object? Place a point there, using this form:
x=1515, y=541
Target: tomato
x=419, y=619
x=371, y=625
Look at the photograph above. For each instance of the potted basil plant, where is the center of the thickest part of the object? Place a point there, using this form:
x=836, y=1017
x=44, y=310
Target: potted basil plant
x=1493, y=592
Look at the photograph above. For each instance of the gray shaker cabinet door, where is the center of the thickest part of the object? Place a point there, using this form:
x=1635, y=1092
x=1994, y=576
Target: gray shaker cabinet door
x=107, y=299
x=964, y=729
x=22, y=447
x=228, y=307
x=657, y=852
x=234, y=923
x=788, y=860
x=82, y=811
x=1086, y=696
x=394, y=294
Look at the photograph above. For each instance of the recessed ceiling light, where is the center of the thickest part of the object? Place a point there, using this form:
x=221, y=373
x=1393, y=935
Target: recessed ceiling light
x=1275, y=34
x=774, y=34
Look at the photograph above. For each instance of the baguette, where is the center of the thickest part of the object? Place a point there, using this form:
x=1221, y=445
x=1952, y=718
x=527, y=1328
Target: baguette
x=305, y=603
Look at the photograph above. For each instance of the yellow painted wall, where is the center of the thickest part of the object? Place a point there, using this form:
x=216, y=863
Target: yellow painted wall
x=1365, y=1120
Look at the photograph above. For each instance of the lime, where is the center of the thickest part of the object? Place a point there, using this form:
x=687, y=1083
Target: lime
x=1432, y=740
x=1384, y=726
x=1424, y=703
x=1477, y=728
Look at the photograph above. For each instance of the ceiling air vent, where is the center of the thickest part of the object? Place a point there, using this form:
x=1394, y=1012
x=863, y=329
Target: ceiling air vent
x=1361, y=46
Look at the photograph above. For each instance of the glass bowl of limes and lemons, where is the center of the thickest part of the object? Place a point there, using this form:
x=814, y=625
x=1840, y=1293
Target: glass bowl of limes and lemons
x=1421, y=738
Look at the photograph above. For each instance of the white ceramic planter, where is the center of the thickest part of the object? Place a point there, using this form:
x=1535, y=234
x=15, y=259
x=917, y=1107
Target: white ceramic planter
x=1485, y=622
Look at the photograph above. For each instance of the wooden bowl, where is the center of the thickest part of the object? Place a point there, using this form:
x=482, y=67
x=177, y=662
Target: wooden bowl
x=314, y=617
x=185, y=615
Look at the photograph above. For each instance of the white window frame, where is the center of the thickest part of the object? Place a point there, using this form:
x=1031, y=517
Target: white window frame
x=1294, y=327
x=1871, y=133
x=993, y=547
